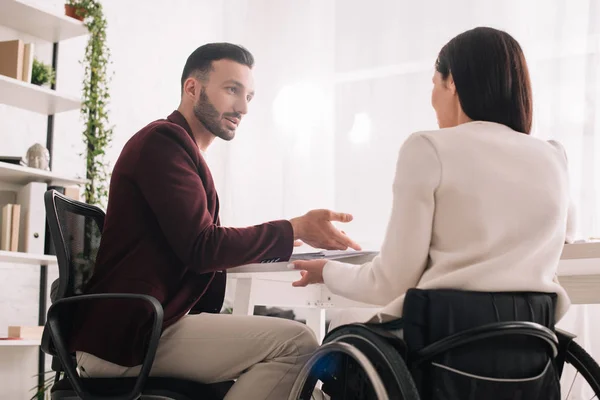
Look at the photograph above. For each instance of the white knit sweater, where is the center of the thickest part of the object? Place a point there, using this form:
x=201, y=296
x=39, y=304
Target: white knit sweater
x=475, y=207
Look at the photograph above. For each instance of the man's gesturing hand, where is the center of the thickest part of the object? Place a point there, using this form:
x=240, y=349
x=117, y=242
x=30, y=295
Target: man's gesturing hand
x=315, y=229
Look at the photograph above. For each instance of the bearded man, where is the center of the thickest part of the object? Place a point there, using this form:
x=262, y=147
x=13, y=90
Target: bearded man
x=162, y=237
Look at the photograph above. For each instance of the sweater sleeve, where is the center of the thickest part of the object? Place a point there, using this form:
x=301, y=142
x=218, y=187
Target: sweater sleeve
x=168, y=179
x=571, y=230
x=405, y=250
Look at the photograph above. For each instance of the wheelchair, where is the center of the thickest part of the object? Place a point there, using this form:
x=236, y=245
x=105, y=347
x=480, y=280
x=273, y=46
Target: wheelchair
x=454, y=345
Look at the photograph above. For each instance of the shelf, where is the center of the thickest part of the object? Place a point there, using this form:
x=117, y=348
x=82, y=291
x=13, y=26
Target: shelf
x=19, y=175
x=35, y=98
x=19, y=342
x=37, y=22
x=26, y=258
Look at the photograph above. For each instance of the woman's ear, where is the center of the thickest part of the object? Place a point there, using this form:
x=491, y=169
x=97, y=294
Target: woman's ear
x=450, y=83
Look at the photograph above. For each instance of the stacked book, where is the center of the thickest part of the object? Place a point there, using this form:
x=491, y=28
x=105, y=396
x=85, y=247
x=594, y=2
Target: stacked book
x=16, y=59
x=9, y=234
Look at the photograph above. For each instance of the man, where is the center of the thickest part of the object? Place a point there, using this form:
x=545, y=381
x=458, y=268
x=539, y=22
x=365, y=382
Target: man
x=162, y=237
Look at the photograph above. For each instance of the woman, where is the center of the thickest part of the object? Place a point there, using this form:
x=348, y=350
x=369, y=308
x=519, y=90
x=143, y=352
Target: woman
x=478, y=204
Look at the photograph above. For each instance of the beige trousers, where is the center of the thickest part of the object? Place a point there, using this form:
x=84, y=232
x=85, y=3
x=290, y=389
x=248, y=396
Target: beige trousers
x=264, y=354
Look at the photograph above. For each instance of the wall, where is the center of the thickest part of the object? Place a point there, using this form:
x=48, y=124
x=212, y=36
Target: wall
x=149, y=42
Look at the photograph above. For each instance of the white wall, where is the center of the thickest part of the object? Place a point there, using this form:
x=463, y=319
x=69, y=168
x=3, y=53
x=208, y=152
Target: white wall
x=149, y=42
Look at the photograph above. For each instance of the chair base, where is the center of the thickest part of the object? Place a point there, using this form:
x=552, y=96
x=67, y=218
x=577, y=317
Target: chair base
x=155, y=389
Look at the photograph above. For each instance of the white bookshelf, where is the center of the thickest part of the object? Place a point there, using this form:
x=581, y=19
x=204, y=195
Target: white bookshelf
x=19, y=343
x=35, y=98
x=16, y=257
x=19, y=175
x=34, y=21
x=17, y=368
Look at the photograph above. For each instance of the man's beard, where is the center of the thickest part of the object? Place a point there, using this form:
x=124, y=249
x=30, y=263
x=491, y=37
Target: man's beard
x=208, y=116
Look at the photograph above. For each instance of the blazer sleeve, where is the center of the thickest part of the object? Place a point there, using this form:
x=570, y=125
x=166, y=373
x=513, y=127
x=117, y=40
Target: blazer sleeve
x=405, y=250
x=168, y=178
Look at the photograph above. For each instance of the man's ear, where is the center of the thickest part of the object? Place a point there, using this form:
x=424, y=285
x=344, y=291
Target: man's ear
x=190, y=86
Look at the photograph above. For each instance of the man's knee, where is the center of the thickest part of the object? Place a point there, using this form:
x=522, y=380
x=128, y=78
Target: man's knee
x=307, y=340
x=298, y=339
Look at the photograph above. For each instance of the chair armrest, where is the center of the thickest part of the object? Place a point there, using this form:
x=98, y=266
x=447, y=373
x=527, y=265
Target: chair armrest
x=58, y=338
x=564, y=341
x=485, y=332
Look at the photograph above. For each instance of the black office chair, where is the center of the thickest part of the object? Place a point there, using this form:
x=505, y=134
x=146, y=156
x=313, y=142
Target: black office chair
x=76, y=228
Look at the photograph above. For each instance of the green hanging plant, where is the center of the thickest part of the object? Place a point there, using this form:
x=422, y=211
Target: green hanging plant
x=98, y=132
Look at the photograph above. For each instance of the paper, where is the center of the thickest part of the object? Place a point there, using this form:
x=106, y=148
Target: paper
x=331, y=255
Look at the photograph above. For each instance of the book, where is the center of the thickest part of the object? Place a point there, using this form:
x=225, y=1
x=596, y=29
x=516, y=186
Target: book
x=27, y=62
x=14, y=227
x=11, y=215
x=6, y=231
x=11, y=58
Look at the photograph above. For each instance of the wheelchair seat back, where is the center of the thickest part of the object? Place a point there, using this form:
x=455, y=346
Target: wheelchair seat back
x=502, y=367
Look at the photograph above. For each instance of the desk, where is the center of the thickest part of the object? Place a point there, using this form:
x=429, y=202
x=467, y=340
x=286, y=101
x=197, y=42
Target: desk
x=270, y=285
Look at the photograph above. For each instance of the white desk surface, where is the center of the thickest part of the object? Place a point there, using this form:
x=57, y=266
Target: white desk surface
x=283, y=266
x=576, y=259
x=578, y=271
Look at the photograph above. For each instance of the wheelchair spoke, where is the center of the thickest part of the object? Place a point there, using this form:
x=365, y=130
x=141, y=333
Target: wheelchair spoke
x=579, y=387
x=572, y=383
x=581, y=375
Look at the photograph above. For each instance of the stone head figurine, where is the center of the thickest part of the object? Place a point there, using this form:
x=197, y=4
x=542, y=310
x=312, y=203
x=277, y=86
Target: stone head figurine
x=38, y=157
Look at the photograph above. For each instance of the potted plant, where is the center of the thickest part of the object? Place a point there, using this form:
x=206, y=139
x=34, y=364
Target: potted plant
x=42, y=74
x=73, y=10
x=43, y=392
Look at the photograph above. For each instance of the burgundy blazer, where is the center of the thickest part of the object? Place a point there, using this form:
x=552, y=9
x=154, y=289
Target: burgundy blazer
x=162, y=238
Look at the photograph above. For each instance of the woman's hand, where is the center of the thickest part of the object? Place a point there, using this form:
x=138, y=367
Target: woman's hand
x=311, y=271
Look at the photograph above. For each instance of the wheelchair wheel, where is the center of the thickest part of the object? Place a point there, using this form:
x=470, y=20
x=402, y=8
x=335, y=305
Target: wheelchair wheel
x=585, y=366
x=355, y=363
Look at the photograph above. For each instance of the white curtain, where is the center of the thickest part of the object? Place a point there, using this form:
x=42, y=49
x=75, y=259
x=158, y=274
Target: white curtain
x=341, y=84
x=280, y=164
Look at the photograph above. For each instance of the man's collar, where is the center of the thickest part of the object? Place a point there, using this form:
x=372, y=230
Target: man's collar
x=177, y=118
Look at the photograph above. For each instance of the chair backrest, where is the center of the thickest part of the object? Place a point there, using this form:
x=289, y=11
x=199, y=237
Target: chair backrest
x=76, y=230
x=431, y=315
x=505, y=349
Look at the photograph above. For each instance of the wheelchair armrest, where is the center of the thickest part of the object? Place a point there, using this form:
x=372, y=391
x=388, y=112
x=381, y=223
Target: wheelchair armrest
x=564, y=341
x=485, y=332
x=56, y=334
